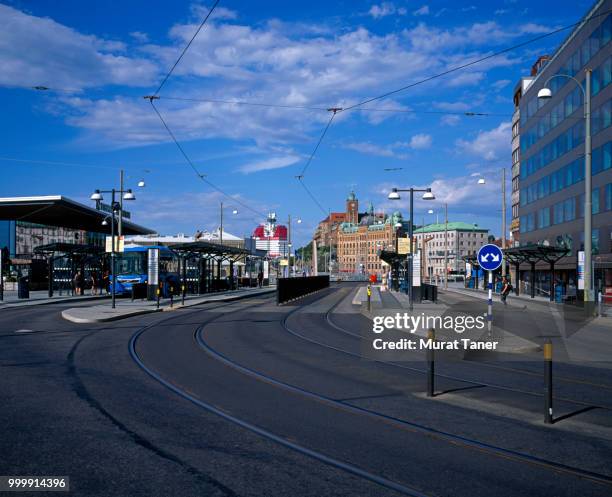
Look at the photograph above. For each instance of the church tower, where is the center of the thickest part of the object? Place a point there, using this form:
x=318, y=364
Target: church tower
x=352, y=208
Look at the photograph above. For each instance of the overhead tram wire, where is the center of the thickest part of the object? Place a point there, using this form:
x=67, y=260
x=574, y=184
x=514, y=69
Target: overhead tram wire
x=186, y=47
x=311, y=195
x=474, y=62
x=190, y=162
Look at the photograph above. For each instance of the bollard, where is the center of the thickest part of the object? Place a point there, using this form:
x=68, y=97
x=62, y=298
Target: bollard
x=132, y=293
x=431, y=335
x=171, y=296
x=158, y=294
x=369, y=297
x=183, y=292
x=548, y=406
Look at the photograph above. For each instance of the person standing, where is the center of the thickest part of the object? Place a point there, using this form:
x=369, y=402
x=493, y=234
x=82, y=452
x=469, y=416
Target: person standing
x=94, y=283
x=506, y=289
x=78, y=283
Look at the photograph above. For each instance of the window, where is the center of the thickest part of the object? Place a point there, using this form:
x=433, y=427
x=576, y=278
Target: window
x=569, y=209
x=608, y=195
x=558, y=213
x=595, y=201
x=544, y=218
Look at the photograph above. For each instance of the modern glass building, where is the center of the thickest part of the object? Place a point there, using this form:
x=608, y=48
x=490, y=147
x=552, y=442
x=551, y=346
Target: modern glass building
x=552, y=153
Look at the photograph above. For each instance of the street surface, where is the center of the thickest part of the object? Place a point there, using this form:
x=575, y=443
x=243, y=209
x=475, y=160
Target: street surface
x=249, y=398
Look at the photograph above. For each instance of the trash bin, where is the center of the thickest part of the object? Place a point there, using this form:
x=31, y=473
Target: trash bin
x=23, y=288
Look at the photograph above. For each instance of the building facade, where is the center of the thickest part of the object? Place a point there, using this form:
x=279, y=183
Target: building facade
x=458, y=240
x=552, y=162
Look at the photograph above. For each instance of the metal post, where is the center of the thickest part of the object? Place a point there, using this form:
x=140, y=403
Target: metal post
x=588, y=213
x=184, y=285
x=221, y=228
x=446, y=246
x=50, y=264
x=120, y=220
x=552, y=281
x=410, y=254
x=503, y=239
x=431, y=335
x=369, y=291
x=532, y=278
x=490, y=303
x=289, y=247
x=113, y=282
x=548, y=397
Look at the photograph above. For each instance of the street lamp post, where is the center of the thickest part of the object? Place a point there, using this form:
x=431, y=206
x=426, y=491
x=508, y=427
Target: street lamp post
x=427, y=195
x=115, y=208
x=546, y=93
x=482, y=181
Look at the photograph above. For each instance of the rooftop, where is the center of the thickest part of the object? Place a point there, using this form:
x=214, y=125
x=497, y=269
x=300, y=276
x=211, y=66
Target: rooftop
x=455, y=226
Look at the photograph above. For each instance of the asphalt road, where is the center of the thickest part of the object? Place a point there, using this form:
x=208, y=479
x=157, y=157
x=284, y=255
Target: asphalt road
x=252, y=399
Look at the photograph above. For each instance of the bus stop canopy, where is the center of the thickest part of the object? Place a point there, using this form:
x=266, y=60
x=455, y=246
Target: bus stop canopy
x=57, y=210
x=69, y=249
x=214, y=250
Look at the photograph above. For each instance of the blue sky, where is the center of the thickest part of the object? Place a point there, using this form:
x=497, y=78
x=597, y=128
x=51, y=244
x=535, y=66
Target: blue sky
x=104, y=56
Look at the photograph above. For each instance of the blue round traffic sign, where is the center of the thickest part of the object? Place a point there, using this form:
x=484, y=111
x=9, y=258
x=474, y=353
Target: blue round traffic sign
x=490, y=257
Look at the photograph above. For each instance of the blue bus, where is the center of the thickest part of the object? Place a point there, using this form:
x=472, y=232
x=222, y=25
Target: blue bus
x=131, y=267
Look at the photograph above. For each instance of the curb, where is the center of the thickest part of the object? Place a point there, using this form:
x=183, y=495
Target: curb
x=63, y=300
x=66, y=313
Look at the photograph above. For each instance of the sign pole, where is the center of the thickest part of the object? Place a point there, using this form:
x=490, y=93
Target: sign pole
x=490, y=303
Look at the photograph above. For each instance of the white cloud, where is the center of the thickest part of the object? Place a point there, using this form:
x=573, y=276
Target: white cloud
x=139, y=36
x=420, y=141
x=450, y=120
x=501, y=84
x=39, y=51
x=369, y=148
x=267, y=164
x=489, y=145
x=423, y=11
x=384, y=9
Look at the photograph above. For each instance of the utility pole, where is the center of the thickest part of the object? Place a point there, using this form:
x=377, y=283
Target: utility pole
x=503, y=189
x=120, y=221
x=588, y=213
x=221, y=228
x=446, y=246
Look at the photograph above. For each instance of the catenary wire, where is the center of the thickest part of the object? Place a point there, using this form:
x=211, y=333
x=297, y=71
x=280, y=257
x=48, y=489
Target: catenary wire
x=477, y=61
x=200, y=175
x=187, y=47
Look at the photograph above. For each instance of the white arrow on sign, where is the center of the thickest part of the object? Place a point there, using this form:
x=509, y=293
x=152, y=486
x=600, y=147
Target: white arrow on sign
x=485, y=257
x=494, y=257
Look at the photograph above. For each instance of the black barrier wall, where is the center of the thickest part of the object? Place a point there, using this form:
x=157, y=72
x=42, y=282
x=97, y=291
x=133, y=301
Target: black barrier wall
x=291, y=288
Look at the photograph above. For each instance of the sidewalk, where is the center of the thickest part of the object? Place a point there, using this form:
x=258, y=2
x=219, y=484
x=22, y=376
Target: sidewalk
x=125, y=308
x=513, y=299
x=41, y=297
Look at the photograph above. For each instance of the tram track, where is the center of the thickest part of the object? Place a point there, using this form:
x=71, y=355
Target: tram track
x=465, y=442
x=438, y=375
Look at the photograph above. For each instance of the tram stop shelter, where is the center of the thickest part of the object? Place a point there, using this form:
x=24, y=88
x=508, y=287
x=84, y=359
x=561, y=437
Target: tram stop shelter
x=70, y=258
x=201, y=266
x=531, y=255
x=528, y=256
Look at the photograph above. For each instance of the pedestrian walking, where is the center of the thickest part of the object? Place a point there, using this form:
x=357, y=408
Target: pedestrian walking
x=94, y=283
x=78, y=283
x=506, y=289
x=260, y=277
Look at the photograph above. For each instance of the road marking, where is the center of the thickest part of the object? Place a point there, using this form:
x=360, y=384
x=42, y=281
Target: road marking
x=24, y=331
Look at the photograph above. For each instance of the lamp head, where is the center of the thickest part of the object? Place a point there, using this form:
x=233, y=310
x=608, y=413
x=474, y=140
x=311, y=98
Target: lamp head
x=428, y=195
x=398, y=225
x=104, y=222
x=430, y=211
x=545, y=93
x=299, y=221
x=96, y=195
x=129, y=195
x=141, y=184
x=394, y=195
x=235, y=211
x=481, y=181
